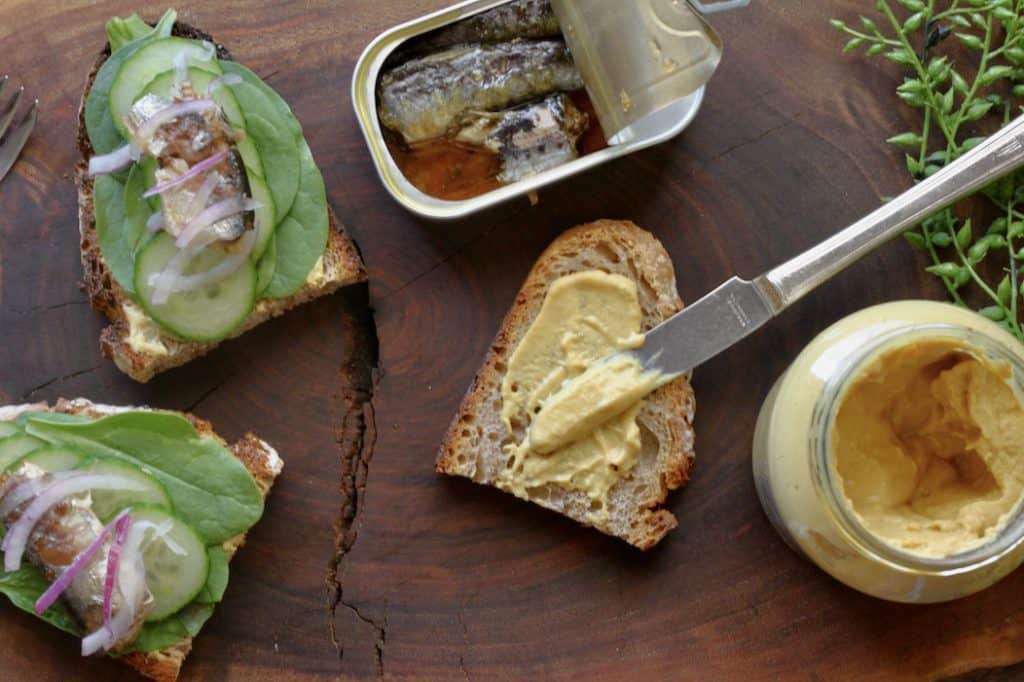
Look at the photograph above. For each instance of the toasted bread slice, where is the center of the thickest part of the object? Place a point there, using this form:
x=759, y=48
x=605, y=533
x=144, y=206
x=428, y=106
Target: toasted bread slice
x=259, y=458
x=160, y=351
x=473, y=444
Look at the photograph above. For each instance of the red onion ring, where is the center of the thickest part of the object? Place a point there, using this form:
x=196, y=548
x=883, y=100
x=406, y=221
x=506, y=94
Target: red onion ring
x=132, y=589
x=31, y=488
x=18, y=534
x=121, y=157
x=171, y=283
x=210, y=215
x=195, y=170
x=122, y=522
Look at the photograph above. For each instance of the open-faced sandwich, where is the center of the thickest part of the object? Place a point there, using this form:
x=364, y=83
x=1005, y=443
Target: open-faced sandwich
x=596, y=290
x=119, y=523
x=201, y=210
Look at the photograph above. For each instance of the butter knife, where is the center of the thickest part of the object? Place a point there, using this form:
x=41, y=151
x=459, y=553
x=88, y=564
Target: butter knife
x=738, y=307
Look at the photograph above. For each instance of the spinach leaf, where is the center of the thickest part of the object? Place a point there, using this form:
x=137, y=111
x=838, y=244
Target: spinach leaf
x=55, y=416
x=302, y=237
x=170, y=630
x=216, y=579
x=24, y=586
x=121, y=215
x=104, y=136
x=275, y=132
x=211, y=490
x=120, y=31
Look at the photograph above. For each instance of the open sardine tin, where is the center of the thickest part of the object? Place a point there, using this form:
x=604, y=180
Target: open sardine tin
x=663, y=124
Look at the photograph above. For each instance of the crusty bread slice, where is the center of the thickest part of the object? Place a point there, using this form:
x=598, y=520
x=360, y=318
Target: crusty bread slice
x=262, y=462
x=342, y=266
x=473, y=444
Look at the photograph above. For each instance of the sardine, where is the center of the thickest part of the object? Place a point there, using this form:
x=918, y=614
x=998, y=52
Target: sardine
x=519, y=19
x=425, y=98
x=181, y=143
x=62, y=534
x=529, y=139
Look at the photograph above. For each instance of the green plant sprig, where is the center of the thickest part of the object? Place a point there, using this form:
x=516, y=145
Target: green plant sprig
x=955, y=99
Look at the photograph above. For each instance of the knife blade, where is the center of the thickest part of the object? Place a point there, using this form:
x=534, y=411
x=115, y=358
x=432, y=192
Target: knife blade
x=738, y=307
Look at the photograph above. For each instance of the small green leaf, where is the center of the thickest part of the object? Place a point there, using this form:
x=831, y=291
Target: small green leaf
x=1015, y=55
x=900, y=56
x=914, y=22
x=962, y=278
x=970, y=40
x=993, y=312
x=916, y=240
x=960, y=20
x=868, y=24
x=853, y=44
x=998, y=226
x=1005, y=15
x=838, y=24
x=931, y=169
x=995, y=241
x=978, y=110
x=875, y=50
x=912, y=5
x=942, y=239
x=947, y=101
x=946, y=269
x=905, y=140
x=1018, y=90
x=1016, y=229
x=959, y=84
x=979, y=19
x=964, y=236
x=994, y=73
x=972, y=142
x=913, y=165
x=1004, y=290
x=977, y=252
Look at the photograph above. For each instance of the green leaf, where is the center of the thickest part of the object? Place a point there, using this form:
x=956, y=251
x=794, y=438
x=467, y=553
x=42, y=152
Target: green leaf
x=302, y=237
x=998, y=226
x=913, y=165
x=972, y=142
x=900, y=56
x=994, y=73
x=959, y=20
x=24, y=586
x=959, y=84
x=162, y=634
x=979, y=19
x=993, y=312
x=217, y=579
x=964, y=236
x=210, y=488
x=938, y=69
x=1004, y=290
x=120, y=32
x=977, y=252
x=876, y=49
x=947, y=101
x=946, y=269
x=962, y=278
x=1015, y=55
x=978, y=110
x=912, y=5
x=914, y=22
x=970, y=40
x=942, y=239
x=1005, y=15
x=837, y=24
x=916, y=240
x=1018, y=90
x=868, y=24
x=853, y=44
x=1016, y=229
x=905, y=140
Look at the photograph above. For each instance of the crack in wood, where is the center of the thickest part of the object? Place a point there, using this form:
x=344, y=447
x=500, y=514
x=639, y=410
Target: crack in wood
x=67, y=377
x=206, y=394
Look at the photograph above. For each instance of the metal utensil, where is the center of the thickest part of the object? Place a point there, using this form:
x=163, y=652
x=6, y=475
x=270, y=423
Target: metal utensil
x=13, y=141
x=738, y=307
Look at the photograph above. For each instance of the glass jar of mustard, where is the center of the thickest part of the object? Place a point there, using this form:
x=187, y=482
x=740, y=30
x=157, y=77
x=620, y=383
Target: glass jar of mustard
x=891, y=452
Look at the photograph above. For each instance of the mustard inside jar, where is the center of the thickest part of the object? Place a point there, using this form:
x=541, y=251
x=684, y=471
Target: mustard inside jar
x=891, y=452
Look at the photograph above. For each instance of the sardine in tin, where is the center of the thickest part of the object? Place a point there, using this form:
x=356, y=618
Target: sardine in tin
x=664, y=125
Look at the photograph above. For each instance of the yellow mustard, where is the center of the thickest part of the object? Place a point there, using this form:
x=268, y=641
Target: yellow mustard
x=891, y=452
x=570, y=427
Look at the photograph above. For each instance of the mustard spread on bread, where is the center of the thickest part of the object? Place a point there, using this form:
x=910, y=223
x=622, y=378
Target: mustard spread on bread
x=572, y=427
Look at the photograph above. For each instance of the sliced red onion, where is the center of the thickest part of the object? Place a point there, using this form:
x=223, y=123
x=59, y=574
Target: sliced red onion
x=175, y=268
x=155, y=222
x=168, y=283
x=32, y=487
x=195, y=170
x=121, y=157
x=171, y=112
x=221, y=81
x=18, y=534
x=161, y=531
x=122, y=522
x=213, y=213
x=198, y=202
x=131, y=583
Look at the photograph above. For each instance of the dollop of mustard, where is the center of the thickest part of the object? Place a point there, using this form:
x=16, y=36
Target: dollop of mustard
x=576, y=442
x=929, y=447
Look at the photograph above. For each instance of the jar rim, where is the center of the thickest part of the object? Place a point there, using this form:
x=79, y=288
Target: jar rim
x=825, y=474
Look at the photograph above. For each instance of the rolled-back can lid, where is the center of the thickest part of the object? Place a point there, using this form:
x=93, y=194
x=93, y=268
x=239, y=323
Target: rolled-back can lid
x=639, y=58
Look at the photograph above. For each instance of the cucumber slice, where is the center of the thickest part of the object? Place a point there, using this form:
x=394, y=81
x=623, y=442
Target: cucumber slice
x=52, y=458
x=17, y=446
x=265, y=217
x=107, y=504
x=173, y=579
x=225, y=98
x=139, y=69
x=207, y=314
x=9, y=429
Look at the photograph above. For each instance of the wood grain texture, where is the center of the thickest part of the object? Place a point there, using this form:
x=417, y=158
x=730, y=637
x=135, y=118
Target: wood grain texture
x=366, y=562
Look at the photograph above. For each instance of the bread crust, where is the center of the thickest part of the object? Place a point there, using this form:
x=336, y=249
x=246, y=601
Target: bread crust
x=342, y=264
x=258, y=457
x=651, y=268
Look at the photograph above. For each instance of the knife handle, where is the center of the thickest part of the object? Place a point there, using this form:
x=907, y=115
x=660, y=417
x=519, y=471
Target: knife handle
x=996, y=156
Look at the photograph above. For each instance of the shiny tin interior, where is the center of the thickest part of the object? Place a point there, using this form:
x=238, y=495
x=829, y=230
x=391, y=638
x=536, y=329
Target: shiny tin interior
x=664, y=125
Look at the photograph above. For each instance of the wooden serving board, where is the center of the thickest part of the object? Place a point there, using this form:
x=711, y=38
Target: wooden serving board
x=368, y=564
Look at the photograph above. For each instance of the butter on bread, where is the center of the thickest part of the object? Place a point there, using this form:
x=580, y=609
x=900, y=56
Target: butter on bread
x=473, y=444
x=258, y=457
x=144, y=353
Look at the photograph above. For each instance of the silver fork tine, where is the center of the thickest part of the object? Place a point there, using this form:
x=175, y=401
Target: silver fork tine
x=5, y=118
x=11, y=146
x=3, y=81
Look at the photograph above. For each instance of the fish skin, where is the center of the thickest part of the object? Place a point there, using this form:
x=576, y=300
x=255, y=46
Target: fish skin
x=425, y=98
x=530, y=139
x=61, y=535
x=518, y=19
x=182, y=143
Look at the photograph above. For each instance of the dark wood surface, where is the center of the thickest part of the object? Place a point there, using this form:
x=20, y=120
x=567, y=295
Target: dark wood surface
x=366, y=562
